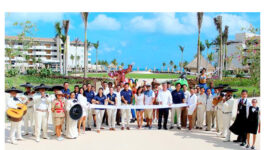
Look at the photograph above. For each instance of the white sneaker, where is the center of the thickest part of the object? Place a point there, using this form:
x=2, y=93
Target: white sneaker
x=37, y=139
x=14, y=142
x=20, y=138
x=60, y=138
x=46, y=137
x=226, y=140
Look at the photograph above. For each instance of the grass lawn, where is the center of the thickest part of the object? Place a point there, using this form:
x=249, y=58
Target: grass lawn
x=144, y=76
x=238, y=83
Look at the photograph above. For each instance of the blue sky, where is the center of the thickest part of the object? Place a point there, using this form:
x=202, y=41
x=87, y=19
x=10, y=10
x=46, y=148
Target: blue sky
x=145, y=39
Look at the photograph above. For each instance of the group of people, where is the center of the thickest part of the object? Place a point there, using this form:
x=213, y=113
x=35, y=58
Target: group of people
x=215, y=103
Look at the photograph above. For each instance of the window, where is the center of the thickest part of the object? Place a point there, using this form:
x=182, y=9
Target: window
x=54, y=44
x=19, y=43
x=48, y=45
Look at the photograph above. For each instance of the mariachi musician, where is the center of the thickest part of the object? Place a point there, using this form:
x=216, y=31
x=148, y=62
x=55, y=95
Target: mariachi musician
x=29, y=118
x=41, y=105
x=228, y=106
x=12, y=102
x=218, y=104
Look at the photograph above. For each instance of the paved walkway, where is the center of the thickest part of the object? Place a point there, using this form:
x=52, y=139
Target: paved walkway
x=133, y=139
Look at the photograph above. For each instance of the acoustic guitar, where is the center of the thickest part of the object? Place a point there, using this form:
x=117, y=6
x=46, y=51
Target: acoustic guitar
x=16, y=115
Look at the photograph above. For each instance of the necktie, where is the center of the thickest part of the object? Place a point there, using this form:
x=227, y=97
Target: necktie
x=75, y=101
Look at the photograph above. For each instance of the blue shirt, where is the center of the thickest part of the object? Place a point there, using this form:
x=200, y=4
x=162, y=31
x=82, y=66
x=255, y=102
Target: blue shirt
x=67, y=92
x=101, y=100
x=177, y=96
x=212, y=91
x=127, y=95
x=112, y=97
x=89, y=95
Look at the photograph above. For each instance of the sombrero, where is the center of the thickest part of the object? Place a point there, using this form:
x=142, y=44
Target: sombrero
x=76, y=112
x=221, y=86
x=13, y=89
x=58, y=87
x=229, y=89
x=41, y=86
x=27, y=85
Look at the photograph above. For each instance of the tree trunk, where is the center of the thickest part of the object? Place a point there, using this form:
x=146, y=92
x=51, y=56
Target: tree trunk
x=85, y=54
x=221, y=57
x=198, y=54
x=65, y=56
x=182, y=67
x=207, y=60
x=97, y=60
x=226, y=57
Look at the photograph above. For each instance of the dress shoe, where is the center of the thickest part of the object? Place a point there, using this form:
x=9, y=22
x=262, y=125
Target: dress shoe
x=253, y=147
x=236, y=141
x=242, y=144
x=159, y=128
x=122, y=128
x=179, y=128
x=165, y=128
x=128, y=128
x=171, y=127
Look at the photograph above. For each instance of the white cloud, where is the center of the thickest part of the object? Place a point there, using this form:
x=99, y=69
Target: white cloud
x=168, y=23
x=235, y=23
x=104, y=22
x=10, y=18
x=123, y=43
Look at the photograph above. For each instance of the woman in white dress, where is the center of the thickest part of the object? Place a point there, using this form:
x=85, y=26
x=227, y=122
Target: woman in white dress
x=71, y=126
x=139, y=101
x=83, y=102
x=201, y=107
x=192, y=103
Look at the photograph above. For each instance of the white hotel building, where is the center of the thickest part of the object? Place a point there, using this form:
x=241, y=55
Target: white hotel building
x=47, y=50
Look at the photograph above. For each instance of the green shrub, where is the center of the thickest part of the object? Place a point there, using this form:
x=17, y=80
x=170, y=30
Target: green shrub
x=45, y=72
x=12, y=72
x=32, y=71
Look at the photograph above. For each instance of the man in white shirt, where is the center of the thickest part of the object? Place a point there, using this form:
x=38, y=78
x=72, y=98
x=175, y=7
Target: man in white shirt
x=164, y=98
x=28, y=118
x=118, y=94
x=184, y=112
x=209, y=109
x=228, y=105
x=41, y=105
x=105, y=92
x=12, y=102
x=201, y=106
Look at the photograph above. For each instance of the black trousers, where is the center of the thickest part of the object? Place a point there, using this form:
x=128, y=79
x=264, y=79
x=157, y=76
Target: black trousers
x=163, y=113
x=242, y=138
x=118, y=116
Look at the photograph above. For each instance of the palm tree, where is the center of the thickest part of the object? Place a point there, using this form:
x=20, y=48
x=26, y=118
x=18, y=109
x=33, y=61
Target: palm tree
x=199, y=18
x=114, y=62
x=66, y=28
x=58, y=30
x=175, y=67
x=164, y=65
x=171, y=63
x=122, y=64
x=78, y=59
x=84, y=17
x=182, y=50
x=185, y=63
x=225, y=39
x=34, y=61
x=96, y=45
x=208, y=45
x=210, y=57
x=218, y=24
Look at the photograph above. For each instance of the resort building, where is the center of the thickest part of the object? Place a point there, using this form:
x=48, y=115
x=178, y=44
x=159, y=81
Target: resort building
x=40, y=52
